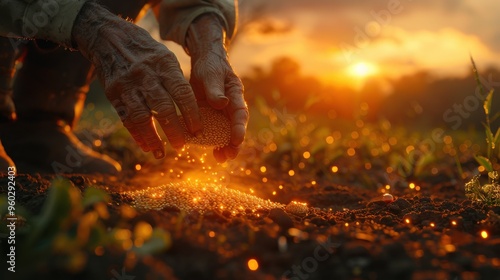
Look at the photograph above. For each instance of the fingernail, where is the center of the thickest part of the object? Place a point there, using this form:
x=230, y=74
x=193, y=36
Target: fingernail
x=158, y=154
x=224, y=99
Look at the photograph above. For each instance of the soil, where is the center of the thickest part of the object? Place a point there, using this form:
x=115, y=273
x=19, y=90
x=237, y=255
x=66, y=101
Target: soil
x=348, y=232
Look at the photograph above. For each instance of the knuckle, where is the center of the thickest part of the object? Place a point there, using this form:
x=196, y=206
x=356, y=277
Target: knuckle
x=140, y=117
x=182, y=93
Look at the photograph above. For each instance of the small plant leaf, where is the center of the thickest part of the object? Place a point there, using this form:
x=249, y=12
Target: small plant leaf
x=487, y=103
x=423, y=162
x=495, y=117
x=92, y=196
x=484, y=162
x=489, y=137
x=476, y=76
x=496, y=138
x=159, y=241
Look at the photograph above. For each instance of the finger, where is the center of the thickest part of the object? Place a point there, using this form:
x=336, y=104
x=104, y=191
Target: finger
x=123, y=112
x=219, y=155
x=237, y=109
x=139, y=121
x=231, y=152
x=180, y=91
x=228, y=152
x=163, y=109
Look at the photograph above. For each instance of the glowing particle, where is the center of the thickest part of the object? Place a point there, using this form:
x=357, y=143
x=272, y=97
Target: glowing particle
x=248, y=172
x=211, y=234
x=264, y=180
x=274, y=192
x=454, y=223
x=484, y=234
x=302, y=165
x=280, y=187
x=99, y=251
x=253, y=264
x=409, y=149
x=351, y=152
x=273, y=147
x=354, y=135
x=329, y=140
x=313, y=183
x=282, y=244
x=412, y=186
x=97, y=143
x=387, y=198
x=407, y=220
x=335, y=169
x=433, y=225
x=387, y=187
x=138, y=167
x=291, y=173
x=417, y=188
x=263, y=169
x=346, y=224
x=306, y=154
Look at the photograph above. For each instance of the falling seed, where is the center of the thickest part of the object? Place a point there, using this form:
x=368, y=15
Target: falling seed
x=387, y=198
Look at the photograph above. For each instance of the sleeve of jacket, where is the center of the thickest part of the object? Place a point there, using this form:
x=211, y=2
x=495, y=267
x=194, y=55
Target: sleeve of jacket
x=175, y=16
x=39, y=19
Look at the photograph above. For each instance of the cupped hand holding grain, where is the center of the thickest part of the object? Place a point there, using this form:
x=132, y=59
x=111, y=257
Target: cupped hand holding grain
x=214, y=81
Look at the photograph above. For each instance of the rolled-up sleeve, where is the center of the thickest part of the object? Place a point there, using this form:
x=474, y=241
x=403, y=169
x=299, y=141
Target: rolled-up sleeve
x=40, y=19
x=175, y=16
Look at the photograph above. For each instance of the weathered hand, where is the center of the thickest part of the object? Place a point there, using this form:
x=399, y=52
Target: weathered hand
x=141, y=77
x=214, y=81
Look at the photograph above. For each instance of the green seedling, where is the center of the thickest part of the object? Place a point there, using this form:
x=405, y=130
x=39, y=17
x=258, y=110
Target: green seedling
x=487, y=193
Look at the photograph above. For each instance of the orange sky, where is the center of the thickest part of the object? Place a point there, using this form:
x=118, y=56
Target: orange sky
x=345, y=41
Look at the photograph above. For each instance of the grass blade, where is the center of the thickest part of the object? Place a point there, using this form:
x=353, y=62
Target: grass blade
x=487, y=103
x=484, y=162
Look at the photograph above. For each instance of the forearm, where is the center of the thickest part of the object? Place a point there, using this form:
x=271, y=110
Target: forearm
x=206, y=34
x=50, y=19
x=175, y=17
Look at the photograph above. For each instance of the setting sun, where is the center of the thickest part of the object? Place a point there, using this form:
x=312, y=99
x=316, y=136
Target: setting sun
x=362, y=69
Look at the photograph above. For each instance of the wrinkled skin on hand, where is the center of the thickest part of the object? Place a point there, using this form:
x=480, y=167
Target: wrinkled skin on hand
x=141, y=77
x=214, y=81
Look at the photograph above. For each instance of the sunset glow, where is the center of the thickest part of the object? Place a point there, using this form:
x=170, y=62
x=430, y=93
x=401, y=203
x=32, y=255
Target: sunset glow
x=362, y=69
